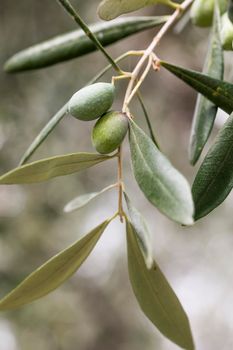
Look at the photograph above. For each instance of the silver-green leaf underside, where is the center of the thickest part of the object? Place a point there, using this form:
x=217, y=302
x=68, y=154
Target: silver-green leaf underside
x=214, y=179
x=80, y=201
x=110, y=9
x=141, y=232
x=54, y=272
x=205, y=111
x=161, y=183
x=156, y=297
x=48, y=168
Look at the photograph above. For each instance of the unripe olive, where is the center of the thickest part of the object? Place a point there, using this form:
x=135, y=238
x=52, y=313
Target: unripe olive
x=109, y=132
x=226, y=32
x=92, y=101
x=202, y=11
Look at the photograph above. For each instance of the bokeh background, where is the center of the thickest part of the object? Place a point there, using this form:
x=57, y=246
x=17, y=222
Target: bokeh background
x=96, y=309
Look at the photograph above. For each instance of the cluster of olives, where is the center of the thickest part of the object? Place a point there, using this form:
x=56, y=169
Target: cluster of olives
x=202, y=15
x=93, y=102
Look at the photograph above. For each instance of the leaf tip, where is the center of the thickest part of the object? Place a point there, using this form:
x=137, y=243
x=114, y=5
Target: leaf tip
x=66, y=209
x=189, y=221
x=149, y=262
x=102, y=13
x=10, y=66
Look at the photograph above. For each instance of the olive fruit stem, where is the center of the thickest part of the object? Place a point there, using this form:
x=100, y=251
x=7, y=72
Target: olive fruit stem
x=126, y=75
x=147, y=53
x=118, y=59
x=120, y=185
x=74, y=14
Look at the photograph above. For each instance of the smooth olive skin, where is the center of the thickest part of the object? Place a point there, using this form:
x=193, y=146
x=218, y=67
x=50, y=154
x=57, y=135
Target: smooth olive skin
x=109, y=132
x=92, y=101
x=202, y=11
x=226, y=33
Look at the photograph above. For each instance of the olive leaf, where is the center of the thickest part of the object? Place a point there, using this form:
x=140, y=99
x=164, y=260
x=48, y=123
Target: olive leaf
x=218, y=91
x=214, y=179
x=109, y=9
x=155, y=296
x=76, y=43
x=54, y=272
x=141, y=232
x=80, y=201
x=161, y=183
x=44, y=133
x=147, y=118
x=48, y=168
x=205, y=110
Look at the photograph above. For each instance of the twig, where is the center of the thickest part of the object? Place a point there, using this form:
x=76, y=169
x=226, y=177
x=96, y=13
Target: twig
x=150, y=50
x=140, y=81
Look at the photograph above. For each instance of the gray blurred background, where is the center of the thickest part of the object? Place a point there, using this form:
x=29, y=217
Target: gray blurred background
x=96, y=309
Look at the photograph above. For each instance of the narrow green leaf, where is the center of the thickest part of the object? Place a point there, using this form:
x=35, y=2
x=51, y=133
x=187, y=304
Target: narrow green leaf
x=156, y=297
x=146, y=115
x=141, y=232
x=44, y=133
x=218, y=91
x=54, y=272
x=48, y=168
x=214, y=179
x=205, y=111
x=76, y=43
x=110, y=9
x=161, y=183
x=80, y=201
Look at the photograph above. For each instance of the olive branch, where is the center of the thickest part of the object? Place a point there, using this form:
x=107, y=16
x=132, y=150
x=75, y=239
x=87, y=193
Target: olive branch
x=135, y=81
x=162, y=184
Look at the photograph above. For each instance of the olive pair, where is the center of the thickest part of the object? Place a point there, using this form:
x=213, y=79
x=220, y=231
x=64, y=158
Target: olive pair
x=92, y=102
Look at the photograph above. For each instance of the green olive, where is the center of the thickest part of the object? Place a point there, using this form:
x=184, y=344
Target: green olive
x=202, y=11
x=109, y=132
x=226, y=32
x=92, y=101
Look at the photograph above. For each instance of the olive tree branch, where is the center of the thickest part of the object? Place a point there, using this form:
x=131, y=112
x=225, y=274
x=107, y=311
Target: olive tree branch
x=74, y=14
x=149, y=51
x=140, y=81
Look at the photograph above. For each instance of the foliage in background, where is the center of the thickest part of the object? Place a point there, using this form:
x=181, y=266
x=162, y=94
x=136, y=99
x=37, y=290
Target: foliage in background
x=161, y=183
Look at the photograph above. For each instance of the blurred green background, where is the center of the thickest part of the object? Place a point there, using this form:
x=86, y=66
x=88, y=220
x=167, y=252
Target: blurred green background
x=96, y=309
